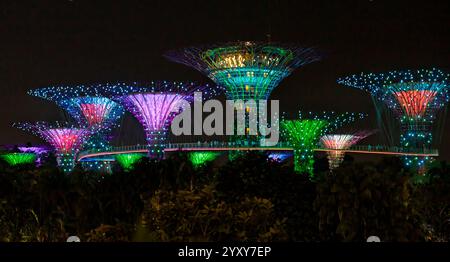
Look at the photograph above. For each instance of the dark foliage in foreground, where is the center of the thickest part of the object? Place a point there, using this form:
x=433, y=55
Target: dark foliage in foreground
x=247, y=199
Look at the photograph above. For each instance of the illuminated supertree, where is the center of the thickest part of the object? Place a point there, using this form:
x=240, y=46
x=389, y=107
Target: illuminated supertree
x=304, y=133
x=66, y=139
x=156, y=105
x=128, y=160
x=279, y=156
x=39, y=151
x=415, y=97
x=340, y=142
x=88, y=106
x=14, y=159
x=247, y=70
x=199, y=159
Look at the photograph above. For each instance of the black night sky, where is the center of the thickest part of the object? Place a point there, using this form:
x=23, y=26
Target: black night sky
x=72, y=41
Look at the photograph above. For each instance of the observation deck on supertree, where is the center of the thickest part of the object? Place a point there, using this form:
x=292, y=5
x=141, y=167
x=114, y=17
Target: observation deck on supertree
x=340, y=142
x=415, y=97
x=65, y=138
x=304, y=133
x=155, y=106
x=247, y=70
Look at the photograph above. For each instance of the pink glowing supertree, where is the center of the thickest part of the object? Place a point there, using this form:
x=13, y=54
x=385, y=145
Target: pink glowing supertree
x=156, y=105
x=340, y=142
x=65, y=138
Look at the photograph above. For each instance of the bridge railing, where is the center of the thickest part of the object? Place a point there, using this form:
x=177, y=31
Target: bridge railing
x=221, y=144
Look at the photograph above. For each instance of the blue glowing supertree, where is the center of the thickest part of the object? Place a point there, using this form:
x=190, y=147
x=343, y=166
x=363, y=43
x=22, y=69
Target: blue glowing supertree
x=415, y=97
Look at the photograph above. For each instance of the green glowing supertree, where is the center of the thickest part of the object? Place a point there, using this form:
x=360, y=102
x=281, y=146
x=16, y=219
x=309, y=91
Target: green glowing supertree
x=14, y=159
x=304, y=133
x=128, y=160
x=199, y=159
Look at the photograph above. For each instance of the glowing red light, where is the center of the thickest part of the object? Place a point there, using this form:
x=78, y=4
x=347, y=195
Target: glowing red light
x=415, y=102
x=94, y=113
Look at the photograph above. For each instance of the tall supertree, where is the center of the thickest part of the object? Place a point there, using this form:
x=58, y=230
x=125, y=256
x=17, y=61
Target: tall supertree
x=39, y=151
x=247, y=70
x=89, y=107
x=415, y=97
x=340, y=142
x=304, y=133
x=65, y=138
x=156, y=105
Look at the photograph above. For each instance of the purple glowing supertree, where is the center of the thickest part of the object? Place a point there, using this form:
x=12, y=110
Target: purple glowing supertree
x=89, y=107
x=156, y=105
x=65, y=138
x=340, y=142
x=39, y=151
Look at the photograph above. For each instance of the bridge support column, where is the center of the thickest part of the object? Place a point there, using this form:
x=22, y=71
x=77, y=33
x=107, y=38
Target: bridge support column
x=156, y=141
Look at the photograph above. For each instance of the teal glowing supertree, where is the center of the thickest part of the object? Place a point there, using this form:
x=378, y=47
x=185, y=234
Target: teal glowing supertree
x=415, y=97
x=249, y=71
x=304, y=133
x=15, y=159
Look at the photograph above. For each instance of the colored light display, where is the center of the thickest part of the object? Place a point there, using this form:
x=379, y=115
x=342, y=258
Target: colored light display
x=304, y=133
x=156, y=107
x=247, y=70
x=127, y=161
x=340, y=142
x=415, y=96
x=279, y=156
x=88, y=105
x=15, y=159
x=199, y=159
x=66, y=139
x=39, y=151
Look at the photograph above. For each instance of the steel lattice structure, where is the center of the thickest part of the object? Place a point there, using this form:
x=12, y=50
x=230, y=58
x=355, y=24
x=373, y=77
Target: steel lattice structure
x=415, y=96
x=304, y=133
x=157, y=104
x=65, y=138
x=340, y=142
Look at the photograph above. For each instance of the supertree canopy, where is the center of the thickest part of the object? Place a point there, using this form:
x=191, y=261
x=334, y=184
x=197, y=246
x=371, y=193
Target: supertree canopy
x=128, y=160
x=200, y=158
x=89, y=107
x=156, y=105
x=340, y=142
x=19, y=158
x=65, y=138
x=304, y=133
x=247, y=70
x=415, y=97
